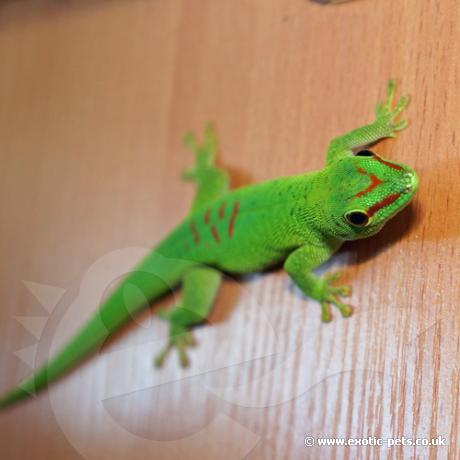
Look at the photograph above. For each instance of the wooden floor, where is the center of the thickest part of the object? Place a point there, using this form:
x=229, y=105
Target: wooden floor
x=94, y=98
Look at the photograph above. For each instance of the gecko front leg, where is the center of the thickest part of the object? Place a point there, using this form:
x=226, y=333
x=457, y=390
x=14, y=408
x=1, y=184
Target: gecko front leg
x=299, y=266
x=386, y=124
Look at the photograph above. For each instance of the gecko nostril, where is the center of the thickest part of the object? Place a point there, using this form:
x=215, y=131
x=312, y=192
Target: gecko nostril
x=410, y=181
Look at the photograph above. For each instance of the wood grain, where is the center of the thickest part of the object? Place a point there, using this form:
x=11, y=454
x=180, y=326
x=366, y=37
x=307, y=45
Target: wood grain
x=95, y=96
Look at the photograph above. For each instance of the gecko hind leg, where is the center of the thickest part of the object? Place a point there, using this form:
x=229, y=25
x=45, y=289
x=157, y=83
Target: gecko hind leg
x=199, y=290
x=211, y=181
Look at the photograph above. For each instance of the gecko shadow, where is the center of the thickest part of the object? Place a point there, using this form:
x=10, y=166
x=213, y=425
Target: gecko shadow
x=395, y=230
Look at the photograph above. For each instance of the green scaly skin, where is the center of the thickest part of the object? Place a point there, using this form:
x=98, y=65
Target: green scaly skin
x=300, y=220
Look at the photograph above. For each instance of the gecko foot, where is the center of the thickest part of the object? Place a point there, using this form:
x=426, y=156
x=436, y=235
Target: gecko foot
x=205, y=154
x=179, y=338
x=332, y=296
x=387, y=113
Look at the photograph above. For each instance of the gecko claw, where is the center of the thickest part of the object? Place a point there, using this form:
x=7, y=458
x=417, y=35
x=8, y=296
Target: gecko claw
x=332, y=296
x=326, y=316
x=345, y=310
x=160, y=358
x=180, y=341
x=343, y=291
x=331, y=277
x=387, y=113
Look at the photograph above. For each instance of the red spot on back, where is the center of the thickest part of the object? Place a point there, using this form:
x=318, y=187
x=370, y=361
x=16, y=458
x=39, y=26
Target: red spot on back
x=388, y=163
x=196, y=235
x=222, y=211
x=215, y=234
x=231, y=223
x=383, y=203
x=206, y=216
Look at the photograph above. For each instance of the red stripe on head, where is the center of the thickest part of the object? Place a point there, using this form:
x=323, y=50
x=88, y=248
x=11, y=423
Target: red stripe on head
x=375, y=182
x=388, y=163
x=383, y=203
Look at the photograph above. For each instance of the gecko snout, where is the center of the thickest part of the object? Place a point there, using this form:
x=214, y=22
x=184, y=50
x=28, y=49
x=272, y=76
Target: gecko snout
x=410, y=181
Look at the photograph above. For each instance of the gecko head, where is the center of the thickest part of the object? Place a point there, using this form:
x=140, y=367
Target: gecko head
x=366, y=191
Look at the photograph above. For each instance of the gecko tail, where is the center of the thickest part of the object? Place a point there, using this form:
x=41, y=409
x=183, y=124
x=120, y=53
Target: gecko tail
x=13, y=396
x=113, y=314
x=87, y=341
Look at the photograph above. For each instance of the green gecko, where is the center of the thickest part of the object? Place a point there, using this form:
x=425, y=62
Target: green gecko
x=299, y=221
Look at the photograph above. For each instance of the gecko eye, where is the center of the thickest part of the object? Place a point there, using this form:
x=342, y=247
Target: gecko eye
x=365, y=153
x=357, y=218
